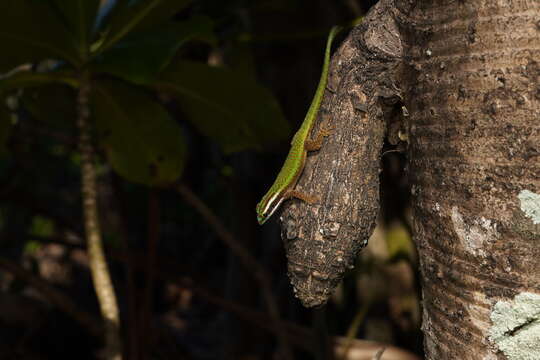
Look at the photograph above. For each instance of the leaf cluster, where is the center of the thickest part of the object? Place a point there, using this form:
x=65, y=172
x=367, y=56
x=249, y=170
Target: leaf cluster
x=133, y=51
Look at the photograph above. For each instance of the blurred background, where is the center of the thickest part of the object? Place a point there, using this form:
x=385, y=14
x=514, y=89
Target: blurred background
x=192, y=105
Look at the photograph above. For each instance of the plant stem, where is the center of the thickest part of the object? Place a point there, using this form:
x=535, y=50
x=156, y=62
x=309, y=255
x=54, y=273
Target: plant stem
x=96, y=257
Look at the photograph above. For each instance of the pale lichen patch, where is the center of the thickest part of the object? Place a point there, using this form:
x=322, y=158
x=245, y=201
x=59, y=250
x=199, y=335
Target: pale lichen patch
x=476, y=234
x=516, y=327
x=530, y=205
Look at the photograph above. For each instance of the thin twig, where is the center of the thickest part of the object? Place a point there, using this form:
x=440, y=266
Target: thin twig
x=253, y=266
x=96, y=257
x=153, y=237
x=131, y=320
x=353, y=328
x=379, y=354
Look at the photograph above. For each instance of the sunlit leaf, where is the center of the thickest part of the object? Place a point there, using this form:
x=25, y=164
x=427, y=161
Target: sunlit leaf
x=399, y=242
x=226, y=106
x=140, y=56
x=137, y=15
x=143, y=143
x=30, y=31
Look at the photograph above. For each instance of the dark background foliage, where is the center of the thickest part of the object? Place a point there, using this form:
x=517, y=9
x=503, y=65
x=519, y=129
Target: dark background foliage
x=194, y=105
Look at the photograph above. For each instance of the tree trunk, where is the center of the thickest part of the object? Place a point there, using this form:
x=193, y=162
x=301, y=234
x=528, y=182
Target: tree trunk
x=474, y=137
x=468, y=76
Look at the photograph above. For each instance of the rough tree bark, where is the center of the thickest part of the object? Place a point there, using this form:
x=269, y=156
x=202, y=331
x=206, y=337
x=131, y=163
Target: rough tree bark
x=468, y=76
x=473, y=96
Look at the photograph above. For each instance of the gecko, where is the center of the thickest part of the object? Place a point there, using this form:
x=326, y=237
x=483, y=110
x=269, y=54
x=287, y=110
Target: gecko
x=283, y=187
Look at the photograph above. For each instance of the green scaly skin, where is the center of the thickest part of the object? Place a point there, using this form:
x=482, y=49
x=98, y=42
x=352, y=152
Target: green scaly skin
x=285, y=182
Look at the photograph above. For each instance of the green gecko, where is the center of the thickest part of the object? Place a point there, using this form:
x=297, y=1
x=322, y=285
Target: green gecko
x=283, y=187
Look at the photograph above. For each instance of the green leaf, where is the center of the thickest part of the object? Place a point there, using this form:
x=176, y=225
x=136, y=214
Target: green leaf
x=226, y=106
x=53, y=104
x=30, y=31
x=80, y=16
x=143, y=143
x=137, y=15
x=32, y=79
x=141, y=56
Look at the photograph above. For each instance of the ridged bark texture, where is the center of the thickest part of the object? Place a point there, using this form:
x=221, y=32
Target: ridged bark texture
x=474, y=104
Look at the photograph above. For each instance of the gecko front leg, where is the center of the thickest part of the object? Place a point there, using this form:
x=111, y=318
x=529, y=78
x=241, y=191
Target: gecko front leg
x=316, y=143
x=312, y=145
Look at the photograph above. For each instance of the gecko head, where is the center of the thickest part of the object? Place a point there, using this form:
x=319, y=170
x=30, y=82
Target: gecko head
x=261, y=216
x=261, y=219
x=267, y=206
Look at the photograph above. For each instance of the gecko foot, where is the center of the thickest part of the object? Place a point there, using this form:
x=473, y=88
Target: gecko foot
x=315, y=144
